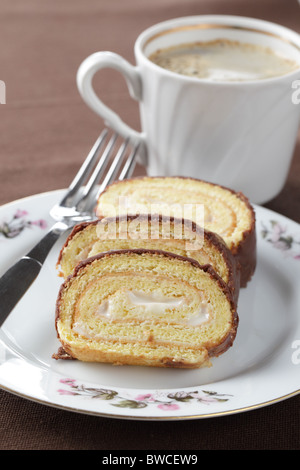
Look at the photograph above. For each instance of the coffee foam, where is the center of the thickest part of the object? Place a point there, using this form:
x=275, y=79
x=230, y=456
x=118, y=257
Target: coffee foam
x=223, y=60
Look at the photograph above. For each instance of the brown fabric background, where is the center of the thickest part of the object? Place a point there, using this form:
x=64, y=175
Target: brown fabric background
x=45, y=132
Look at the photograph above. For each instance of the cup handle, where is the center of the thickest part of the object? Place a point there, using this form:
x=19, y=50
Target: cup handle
x=85, y=74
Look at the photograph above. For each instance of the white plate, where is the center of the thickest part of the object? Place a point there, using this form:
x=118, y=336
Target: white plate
x=262, y=367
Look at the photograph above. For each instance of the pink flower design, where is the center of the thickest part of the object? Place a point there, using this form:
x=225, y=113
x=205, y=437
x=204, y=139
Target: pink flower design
x=147, y=397
x=278, y=230
x=169, y=402
x=168, y=406
x=20, y=213
x=40, y=223
x=207, y=399
x=278, y=235
x=68, y=381
x=66, y=392
x=19, y=222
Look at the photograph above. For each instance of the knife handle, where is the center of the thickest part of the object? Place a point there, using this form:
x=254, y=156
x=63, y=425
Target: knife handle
x=15, y=282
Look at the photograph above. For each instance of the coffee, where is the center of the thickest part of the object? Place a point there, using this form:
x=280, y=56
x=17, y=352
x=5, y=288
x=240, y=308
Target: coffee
x=223, y=60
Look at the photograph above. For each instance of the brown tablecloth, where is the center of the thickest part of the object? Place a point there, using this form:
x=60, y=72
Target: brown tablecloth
x=45, y=131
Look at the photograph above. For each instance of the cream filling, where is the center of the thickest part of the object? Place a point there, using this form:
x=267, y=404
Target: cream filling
x=149, y=305
x=82, y=255
x=152, y=302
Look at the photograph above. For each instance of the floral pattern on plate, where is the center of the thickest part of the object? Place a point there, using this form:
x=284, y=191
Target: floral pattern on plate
x=18, y=222
x=164, y=401
x=279, y=236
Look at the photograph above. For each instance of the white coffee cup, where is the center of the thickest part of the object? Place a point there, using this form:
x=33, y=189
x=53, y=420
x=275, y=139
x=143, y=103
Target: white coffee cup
x=238, y=134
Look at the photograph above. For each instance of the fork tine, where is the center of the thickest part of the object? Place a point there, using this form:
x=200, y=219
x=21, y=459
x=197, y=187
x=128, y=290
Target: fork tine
x=81, y=197
x=130, y=164
x=115, y=166
x=96, y=176
x=127, y=170
x=84, y=170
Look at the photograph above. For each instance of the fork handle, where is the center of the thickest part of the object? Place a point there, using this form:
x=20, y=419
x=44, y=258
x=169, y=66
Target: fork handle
x=17, y=280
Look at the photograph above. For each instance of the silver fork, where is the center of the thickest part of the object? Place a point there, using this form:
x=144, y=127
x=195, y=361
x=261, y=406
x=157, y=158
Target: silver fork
x=76, y=206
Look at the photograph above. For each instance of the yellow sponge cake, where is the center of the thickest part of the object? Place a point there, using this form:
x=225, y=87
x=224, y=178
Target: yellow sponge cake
x=227, y=213
x=145, y=307
x=181, y=237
